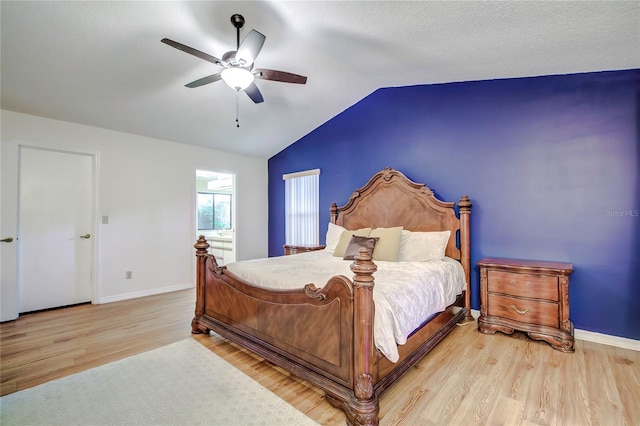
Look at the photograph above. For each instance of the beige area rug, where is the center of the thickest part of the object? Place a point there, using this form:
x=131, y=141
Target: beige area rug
x=180, y=384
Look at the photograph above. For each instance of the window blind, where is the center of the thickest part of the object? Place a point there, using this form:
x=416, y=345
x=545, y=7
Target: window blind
x=302, y=207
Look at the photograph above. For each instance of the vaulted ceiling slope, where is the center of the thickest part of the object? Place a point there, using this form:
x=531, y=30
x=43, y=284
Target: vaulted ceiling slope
x=101, y=63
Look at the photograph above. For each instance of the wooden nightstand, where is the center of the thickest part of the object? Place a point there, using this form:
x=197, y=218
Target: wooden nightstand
x=293, y=249
x=526, y=295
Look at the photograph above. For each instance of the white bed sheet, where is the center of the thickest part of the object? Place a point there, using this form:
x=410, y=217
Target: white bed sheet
x=405, y=293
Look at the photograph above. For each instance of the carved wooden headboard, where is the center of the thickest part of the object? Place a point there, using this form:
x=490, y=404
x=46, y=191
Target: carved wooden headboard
x=391, y=199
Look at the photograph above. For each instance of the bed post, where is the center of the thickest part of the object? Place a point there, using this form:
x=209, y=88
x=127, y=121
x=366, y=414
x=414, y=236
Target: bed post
x=464, y=208
x=334, y=213
x=364, y=409
x=201, y=247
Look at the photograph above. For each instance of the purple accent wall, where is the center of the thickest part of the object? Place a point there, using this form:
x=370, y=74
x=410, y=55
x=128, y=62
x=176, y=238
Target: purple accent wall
x=550, y=164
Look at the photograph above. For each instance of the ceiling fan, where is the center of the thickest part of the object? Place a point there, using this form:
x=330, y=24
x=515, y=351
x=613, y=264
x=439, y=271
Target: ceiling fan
x=238, y=71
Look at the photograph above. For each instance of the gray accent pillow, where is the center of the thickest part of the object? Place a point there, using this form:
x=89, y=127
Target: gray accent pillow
x=356, y=243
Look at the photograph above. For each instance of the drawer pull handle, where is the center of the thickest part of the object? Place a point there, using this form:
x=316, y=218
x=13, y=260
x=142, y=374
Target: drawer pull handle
x=518, y=310
x=514, y=283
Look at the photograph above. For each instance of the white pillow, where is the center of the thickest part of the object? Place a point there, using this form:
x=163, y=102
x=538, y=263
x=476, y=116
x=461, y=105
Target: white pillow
x=332, y=237
x=422, y=246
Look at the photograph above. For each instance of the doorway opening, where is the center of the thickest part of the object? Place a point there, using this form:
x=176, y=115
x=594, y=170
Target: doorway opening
x=215, y=213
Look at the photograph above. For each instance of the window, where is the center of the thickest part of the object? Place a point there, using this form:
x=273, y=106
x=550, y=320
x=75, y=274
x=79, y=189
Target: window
x=301, y=207
x=214, y=210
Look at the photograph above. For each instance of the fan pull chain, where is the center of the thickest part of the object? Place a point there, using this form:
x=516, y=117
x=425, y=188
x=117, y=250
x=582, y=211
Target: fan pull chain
x=237, y=111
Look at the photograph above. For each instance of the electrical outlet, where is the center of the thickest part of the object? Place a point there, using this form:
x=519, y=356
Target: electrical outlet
x=128, y=275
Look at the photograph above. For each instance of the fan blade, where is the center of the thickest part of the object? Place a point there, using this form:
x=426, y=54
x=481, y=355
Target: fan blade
x=204, y=80
x=285, y=77
x=192, y=51
x=249, y=48
x=254, y=93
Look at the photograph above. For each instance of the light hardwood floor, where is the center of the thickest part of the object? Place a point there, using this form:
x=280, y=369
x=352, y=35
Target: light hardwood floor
x=469, y=379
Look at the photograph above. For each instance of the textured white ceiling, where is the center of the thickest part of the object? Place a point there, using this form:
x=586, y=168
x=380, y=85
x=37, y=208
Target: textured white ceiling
x=101, y=63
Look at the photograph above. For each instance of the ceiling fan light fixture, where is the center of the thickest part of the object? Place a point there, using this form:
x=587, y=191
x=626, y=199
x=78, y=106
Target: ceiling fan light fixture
x=238, y=72
x=237, y=78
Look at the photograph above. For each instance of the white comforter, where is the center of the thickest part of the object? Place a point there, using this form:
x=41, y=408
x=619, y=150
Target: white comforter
x=405, y=293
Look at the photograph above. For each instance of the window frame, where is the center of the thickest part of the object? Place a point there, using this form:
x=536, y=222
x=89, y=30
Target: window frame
x=214, y=209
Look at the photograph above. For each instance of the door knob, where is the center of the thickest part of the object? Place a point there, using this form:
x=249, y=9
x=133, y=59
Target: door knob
x=85, y=236
x=7, y=240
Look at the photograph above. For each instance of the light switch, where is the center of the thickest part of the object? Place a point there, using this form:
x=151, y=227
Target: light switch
x=105, y=220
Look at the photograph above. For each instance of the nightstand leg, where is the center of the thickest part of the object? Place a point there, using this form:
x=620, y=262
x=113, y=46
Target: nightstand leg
x=562, y=344
x=491, y=328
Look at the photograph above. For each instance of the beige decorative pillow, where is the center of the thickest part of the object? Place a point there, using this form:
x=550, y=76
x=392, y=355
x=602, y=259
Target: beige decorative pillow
x=356, y=243
x=423, y=246
x=389, y=243
x=345, y=237
x=333, y=237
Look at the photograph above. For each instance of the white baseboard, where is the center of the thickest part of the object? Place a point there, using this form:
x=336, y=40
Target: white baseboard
x=590, y=336
x=606, y=339
x=143, y=293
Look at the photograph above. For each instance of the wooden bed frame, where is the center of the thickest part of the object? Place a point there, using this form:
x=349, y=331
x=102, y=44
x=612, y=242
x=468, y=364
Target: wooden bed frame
x=325, y=335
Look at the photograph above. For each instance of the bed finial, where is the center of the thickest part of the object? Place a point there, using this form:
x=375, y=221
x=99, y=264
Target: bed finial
x=363, y=268
x=201, y=246
x=464, y=205
x=334, y=212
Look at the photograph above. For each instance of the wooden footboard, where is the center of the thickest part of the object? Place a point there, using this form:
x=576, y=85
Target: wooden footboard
x=311, y=326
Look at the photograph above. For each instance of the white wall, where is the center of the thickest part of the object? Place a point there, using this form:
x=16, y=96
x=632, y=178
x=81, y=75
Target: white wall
x=147, y=188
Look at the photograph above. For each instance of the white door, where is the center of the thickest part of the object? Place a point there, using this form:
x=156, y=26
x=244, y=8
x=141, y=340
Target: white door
x=55, y=228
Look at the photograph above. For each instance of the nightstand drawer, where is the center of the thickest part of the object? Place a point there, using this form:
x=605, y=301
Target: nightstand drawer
x=522, y=310
x=525, y=285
